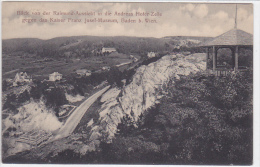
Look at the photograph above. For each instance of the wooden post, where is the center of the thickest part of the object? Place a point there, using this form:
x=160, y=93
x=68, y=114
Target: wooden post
x=236, y=58
x=233, y=57
x=207, y=58
x=214, y=58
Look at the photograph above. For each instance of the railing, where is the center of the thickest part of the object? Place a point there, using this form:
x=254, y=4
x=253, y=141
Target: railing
x=222, y=71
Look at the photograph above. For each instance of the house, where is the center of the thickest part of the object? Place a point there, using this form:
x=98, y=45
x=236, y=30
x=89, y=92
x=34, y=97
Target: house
x=150, y=54
x=108, y=50
x=55, y=76
x=134, y=58
x=83, y=72
x=21, y=77
x=177, y=46
x=186, y=53
x=106, y=68
x=9, y=80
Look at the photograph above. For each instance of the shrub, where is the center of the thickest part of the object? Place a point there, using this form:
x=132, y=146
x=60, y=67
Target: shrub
x=55, y=98
x=23, y=97
x=202, y=120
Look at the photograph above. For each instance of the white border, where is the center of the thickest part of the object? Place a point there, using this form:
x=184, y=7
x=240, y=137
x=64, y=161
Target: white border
x=256, y=137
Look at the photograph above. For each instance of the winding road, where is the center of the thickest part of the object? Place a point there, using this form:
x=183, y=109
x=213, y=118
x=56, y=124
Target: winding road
x=76, y=116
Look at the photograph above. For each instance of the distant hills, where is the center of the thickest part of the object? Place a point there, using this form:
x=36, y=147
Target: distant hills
x=188, y=37
x=87, y=45
x=21, y=44
x=70, y=53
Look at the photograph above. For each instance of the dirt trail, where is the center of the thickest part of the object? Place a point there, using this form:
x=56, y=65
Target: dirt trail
x=76, y=116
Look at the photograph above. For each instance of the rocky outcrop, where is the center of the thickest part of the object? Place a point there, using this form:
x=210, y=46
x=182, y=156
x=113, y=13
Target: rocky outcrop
x=143, y=92
x=36, y=116
x=32, y=116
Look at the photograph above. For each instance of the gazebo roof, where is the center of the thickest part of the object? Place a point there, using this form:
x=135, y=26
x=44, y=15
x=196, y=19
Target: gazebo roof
x=233, y=37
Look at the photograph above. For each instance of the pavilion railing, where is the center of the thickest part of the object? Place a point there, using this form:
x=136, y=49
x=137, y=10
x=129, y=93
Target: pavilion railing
x=223, y=71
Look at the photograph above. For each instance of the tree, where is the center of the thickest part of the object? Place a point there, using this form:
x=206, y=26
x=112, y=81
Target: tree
x=23, y=97
x=38, y=89
x=4, y=85
x=115, y=76
x=10, y=99
x=126, y=126
x=55, y=98
x=202, y=120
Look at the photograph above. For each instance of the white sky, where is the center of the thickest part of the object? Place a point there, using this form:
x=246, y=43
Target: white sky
x=177, y=19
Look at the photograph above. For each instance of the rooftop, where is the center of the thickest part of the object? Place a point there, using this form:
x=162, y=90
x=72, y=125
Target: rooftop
x=232, y=37
x=55, y=73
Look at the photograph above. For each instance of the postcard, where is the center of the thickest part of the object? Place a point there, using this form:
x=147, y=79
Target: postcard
x=165, y=83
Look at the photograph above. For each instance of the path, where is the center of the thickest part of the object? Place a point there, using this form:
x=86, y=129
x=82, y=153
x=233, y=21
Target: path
x=76, y=116
x=123, y=64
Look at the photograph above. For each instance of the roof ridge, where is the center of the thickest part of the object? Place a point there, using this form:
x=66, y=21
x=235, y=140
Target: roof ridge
x=236, y=31
x=232, y=37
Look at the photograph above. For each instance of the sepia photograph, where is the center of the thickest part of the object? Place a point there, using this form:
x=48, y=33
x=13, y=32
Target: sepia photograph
x=132, y=83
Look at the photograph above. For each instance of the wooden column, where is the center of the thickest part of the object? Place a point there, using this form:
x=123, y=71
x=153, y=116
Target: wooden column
x=236, y=58
x=233, y=57
x=207, y=57
x=214, y=58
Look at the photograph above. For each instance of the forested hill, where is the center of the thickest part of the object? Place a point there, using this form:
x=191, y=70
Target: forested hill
x=200, y=38
x=85, y=45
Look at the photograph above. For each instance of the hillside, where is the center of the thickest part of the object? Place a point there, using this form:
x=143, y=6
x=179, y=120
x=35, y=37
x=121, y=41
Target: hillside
x=29, y=45
x=39, y=57
x=169, y=113
x=142, y=93
x=123, y=44
x=203, y=39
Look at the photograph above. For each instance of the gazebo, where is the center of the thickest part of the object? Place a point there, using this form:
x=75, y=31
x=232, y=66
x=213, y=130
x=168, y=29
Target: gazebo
x=233, y=39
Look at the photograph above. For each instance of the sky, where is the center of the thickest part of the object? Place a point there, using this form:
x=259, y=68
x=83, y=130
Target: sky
x=177, y=19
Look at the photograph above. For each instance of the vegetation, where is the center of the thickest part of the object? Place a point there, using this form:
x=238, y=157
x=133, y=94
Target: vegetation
x=201, y=120
x=91, y=46
x=39, y=58
x=4, y=85
x=10, y=103
x=55, y=98
x=53, y=93
x=23, y=97
x=151, y=60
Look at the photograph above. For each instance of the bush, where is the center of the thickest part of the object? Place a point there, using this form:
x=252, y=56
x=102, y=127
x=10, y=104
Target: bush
x=150, y=60
x=115, y=76
x=10, y=101
x=4, y=85
x=55, y=98
x=23, y=97
x=212, y=117
x=202, y=120
x=38, y=89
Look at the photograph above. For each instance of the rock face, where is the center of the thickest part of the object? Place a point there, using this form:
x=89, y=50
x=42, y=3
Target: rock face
x=35, y=116
x=142, y=93
x=32, y=116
